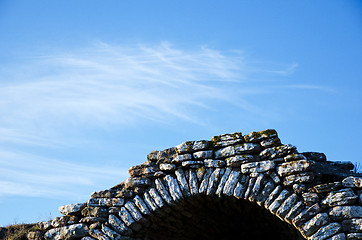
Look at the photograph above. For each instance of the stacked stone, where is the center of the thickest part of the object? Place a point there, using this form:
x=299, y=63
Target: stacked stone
x=321, y=199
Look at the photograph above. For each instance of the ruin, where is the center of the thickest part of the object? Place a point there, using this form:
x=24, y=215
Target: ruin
x=232, y=187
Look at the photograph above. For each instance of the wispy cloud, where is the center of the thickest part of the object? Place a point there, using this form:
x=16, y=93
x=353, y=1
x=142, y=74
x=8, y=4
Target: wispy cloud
x=106, y=85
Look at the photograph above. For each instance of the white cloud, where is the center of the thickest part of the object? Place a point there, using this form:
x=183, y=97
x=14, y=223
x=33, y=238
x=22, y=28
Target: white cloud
x=106, y=85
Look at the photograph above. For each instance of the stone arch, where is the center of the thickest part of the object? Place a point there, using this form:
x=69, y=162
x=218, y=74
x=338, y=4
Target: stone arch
x=184, y=191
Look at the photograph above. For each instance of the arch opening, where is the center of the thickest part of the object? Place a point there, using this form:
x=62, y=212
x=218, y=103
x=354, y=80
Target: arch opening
x=205, y=217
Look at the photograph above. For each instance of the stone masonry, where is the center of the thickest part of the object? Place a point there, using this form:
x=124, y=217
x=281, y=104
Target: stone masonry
x=234, y=186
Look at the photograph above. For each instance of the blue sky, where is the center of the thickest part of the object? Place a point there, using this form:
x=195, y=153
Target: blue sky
x=89, y=88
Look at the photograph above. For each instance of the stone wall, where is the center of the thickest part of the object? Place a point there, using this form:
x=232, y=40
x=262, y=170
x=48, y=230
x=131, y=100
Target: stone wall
x=251, y=186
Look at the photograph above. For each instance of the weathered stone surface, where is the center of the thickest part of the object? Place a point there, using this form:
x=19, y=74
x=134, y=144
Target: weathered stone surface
x=310, y=198
x=72, y=209
x=222, y=181
x=193, y=182
x=192, y=164
x=338, y=236
x=306, y=177
x=105, y=202
x=294, y=157
x=340, y=197
x=180, y=158
x=151, y=204
x=185, y=147
x=273, y=207
x=327, y=187
x=353, y=182
x=203, y=154
x=315, y=223
x=256, y=188
x=277, y=152
x=345, y=212
x=138, y=201
x=270, y=142
x=225, y=152
x=90, y=220
x=237, y=160
x=145, y=169
x=68, y=232
x=167, y=167
x=354, y=236
x=181, y=178
x=289, y=168
x=315, y=156
x=259, y=167
x=133, y=182
x=326, y=232
x=128, y=220
x=213, y=180
x=265, y=192
x=227, y=139
x=173, y=187
x=162, y=191
x=231, y=183
x=97, y=234
x=261, y=135
x=287, y=205
x=352, y=225
x=272, y=196
x=201, y=145
x=118, y=225
x=294, y=211
x=110, y=233
x=133, y=210
x=95, y=212
x=306, y=215
x=214, y=163
x=247, y=148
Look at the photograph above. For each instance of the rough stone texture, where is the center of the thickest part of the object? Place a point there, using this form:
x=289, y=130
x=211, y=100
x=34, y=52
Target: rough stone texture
x=251, y=185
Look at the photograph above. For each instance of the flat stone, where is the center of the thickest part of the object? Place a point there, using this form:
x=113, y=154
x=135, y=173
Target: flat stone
x=134, y=182
x=261, y=135
x=213, y=180
x=250, y=187
x=138, y=201
x=327, y=187
x=95, y=212
x=203, y=154
x=354, y=236
x=167, y=167
x=272, y=196
x=185, y=147
x=223, y=181
x=214, y=163
x=306, y=177
x=133, y=210
x=315, y=223
x=239, y=190
x=286, y=206
x=90, y=220
x=145, y=170
x=128, y=220
x=110, y=233
x=181, y=178
x=326, y=231
x=270, y=142
x=294, y=157
x=306, y=215
x=274, y=206
x=315, y=156
x=173, y=187
x=310, y=198
x=345, y=212
x=294, y=211
x=151, y=204
x=246, y=148
x=225, y=152
x=105, y=202
x=227, y=139
x=201, y=145
x=262, y=166
x=118, y=225
x=163, y=191
x=97, y=234
x=231, y=182
x=192, y=164
x=352, y=225
x=340, y=197
x=256, y=188
x=205, y=180
x=155, y=197
x=72, y=209
x=277, y=152
x=353, y=182
x=289, y=168
x=237, y=160
x=193, y=182
x=268, y=187
x=67, y=232
x=338, y=236
x=180, y=158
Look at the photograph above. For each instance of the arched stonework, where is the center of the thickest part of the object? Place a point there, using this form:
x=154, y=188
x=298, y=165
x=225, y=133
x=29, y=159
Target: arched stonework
x=251, y=186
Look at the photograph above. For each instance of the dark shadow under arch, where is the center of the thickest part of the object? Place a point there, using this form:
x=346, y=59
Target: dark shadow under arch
x=216, y=218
